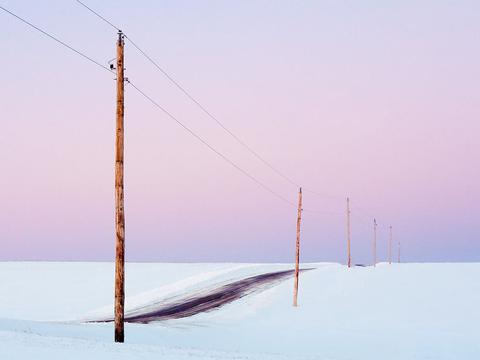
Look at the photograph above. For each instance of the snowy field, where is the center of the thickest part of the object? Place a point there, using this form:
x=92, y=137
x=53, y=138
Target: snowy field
x=399, y=311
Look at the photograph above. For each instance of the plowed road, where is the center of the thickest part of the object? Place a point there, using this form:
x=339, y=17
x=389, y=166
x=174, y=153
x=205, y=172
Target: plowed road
x=206, y=300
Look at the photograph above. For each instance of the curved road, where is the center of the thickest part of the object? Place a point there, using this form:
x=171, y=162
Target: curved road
x=208, y=300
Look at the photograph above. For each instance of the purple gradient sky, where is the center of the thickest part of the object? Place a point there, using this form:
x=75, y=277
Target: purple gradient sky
x=378, y=100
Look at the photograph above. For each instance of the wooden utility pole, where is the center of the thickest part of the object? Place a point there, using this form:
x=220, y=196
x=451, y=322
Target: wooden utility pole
x=390, y=246
x=349, y=259
x=374, y=242
x=398, y=252
x=297, y=249
x=119, y=208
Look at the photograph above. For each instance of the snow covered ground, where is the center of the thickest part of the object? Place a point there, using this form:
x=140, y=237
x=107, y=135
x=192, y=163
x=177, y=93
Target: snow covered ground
x=399, y=311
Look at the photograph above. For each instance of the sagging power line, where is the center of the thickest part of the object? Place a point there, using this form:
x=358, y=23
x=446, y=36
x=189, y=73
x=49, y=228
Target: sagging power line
x=189, y=95
x=209, y=114
x=198, y=137
x=97, y=63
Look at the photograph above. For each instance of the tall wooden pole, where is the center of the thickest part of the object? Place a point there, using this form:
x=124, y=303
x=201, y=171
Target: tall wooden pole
x=390, y=246
x=349, y=258
x=398, y=252
x=119, y=208
x=297, y=249
x=374, y=242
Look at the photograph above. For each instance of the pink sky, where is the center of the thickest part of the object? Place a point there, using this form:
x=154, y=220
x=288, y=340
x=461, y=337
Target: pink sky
x=377, y=101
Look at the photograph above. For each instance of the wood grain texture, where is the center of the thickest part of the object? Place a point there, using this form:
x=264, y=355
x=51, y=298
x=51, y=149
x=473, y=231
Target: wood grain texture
x=119, y=204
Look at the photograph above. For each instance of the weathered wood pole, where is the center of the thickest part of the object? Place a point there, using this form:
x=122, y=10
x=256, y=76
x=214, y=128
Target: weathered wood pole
x=297, y=249
x=374, y=242
x=349, y=258
x=119, y=208
x=390, y=246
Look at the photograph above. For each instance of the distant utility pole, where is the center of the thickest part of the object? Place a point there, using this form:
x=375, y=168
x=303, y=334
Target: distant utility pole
x=390, y=246
x=349, y=259
x=119, y=208
x=374, y=242
x=297, y=249
x=398, y=252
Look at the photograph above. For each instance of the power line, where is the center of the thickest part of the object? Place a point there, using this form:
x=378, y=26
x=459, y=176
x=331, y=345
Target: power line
x=55, y=39
x=186, y=93
x=97, y=14
x=221, y=155
x=155, y=103
x=208, y=113
x=258, y=182
x=204, y=142
x=168, y=113
x=195, y=101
